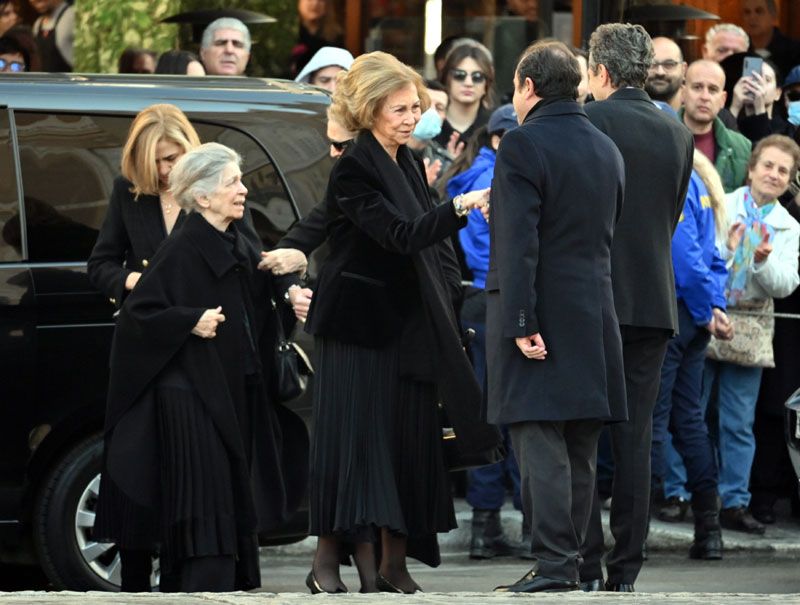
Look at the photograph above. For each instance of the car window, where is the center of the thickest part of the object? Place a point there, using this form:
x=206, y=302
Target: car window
x=68, y=164
x=269, y=202
x=11, y=242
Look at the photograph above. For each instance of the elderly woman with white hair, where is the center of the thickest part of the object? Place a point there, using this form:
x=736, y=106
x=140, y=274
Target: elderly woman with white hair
x=195, y=446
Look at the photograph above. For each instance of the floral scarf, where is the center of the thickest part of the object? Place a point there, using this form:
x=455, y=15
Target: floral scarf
x=755, y=231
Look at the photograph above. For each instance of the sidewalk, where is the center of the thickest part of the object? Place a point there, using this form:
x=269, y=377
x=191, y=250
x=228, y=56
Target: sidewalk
x=783, y=538
x=462, y=598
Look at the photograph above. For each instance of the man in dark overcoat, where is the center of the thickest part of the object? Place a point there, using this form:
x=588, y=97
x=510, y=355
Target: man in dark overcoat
x=657, y=150
x=553, y=347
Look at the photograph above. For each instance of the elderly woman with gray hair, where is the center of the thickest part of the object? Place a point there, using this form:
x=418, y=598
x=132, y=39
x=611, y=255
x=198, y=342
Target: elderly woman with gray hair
x=195, y=446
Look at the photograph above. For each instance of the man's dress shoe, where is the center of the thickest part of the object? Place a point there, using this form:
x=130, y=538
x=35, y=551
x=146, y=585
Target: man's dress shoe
x=619, y=587
x=531, y=582
x=595, y=585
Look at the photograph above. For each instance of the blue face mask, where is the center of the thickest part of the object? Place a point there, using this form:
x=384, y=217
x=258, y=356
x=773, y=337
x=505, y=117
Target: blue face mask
x=429, y=125
x=794, y=112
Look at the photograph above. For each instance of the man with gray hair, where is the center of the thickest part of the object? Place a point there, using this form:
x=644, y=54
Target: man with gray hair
x=225, y=48
x=657, y=151
x=723, y=40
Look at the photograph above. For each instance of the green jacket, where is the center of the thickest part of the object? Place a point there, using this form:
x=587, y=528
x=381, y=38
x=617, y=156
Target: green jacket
x=733, y=153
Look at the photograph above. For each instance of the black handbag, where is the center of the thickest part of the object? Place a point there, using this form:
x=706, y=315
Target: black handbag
x=457, y=460
x=292, y=366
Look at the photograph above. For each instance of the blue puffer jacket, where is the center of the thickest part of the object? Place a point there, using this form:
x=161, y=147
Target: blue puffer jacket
x=700, y=273
x=474, y=237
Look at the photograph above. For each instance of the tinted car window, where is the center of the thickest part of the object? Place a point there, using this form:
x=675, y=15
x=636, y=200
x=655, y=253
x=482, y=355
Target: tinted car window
x=68, y=165
x=11, y=241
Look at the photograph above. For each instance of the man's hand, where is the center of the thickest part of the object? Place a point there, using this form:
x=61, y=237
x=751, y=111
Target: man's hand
x=532, y=346
x=432, y=170
x=300, y=299
x=283, y=260
x=763, y=250
x=207, y=324
x=454, y=148
x=735, y=234
x=723, y=328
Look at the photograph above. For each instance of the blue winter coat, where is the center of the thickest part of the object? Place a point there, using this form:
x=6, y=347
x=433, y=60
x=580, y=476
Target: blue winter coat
x=474, y=237
x=700, y=273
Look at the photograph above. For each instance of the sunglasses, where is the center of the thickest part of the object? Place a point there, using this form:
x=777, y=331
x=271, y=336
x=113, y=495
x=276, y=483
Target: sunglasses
x=341, y=145
x=15, y=66
x=793, y=95
x=460, y=75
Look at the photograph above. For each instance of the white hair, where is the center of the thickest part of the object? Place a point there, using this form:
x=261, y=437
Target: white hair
x=721, y=28
x=198, y=173
x=225, y=23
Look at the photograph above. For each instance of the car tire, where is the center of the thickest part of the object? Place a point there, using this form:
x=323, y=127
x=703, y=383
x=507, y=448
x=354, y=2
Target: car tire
x=63, y=521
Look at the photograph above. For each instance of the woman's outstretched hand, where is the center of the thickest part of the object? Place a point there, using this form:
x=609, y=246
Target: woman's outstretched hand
x=283, y=260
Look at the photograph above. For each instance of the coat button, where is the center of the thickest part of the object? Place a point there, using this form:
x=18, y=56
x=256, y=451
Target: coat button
x=145, y=262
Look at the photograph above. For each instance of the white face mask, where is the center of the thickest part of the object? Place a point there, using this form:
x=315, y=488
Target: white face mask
x=794, y=112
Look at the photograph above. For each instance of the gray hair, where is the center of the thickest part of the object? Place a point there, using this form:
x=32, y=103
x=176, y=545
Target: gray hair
x=730, y=28
x=199, y=173
x=225, y=23
x=626, y=51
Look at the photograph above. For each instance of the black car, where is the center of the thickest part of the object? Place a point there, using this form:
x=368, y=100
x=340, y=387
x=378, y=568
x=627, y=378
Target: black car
x=61, y=138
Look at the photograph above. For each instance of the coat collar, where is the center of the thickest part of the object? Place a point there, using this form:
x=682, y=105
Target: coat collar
x=778, y=217
x=211, y=245
x=629, y=93
x=558, y=108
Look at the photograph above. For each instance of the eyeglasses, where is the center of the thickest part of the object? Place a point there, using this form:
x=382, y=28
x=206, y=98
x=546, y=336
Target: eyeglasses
x=667, y=65
x=459, y=75
x=340, y=146
x=793, y=95
x=15, y=66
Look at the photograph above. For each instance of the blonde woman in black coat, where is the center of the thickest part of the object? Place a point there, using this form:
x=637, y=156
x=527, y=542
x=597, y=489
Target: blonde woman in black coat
x=387, y=342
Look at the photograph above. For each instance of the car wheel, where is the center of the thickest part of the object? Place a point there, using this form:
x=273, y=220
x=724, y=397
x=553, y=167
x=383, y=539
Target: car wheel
x=63, y=521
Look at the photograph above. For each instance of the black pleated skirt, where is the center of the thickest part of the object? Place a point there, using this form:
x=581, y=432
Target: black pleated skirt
x=376, y=452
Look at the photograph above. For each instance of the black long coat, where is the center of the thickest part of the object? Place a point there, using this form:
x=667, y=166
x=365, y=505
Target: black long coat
x=556, y=196
x=194, y=270
x=131, y=233
x=657, y=150
x=392, y=271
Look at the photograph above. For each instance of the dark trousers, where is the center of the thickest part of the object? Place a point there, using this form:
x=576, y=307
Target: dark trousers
x=557, y=467
x=643, y=353
x=678, y=408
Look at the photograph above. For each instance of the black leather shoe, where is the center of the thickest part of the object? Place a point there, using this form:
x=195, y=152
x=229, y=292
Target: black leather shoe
x=531, y=582
x=384, y=585
x=740, y=519
x=619, y=587
x=316, y=588
x=595, y=585
x=673, y=510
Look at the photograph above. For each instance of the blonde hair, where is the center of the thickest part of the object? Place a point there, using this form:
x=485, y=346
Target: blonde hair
x=362, y=90
x=716, y=193
x=152, y=125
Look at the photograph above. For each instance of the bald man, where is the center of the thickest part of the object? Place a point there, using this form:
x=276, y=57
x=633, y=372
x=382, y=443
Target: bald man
x=703, y=98
x=665, y=76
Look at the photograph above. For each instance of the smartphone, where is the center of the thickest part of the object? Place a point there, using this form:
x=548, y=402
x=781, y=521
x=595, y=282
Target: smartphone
x=752, y=65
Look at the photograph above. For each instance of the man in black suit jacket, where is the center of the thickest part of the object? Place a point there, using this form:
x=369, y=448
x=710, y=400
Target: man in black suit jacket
x=657, y=150
x=552, y=340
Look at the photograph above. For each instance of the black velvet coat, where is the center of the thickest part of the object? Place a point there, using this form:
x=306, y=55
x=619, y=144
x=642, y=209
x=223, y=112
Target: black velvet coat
x=556, y=196
x=392, y=273
x=193, y=271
